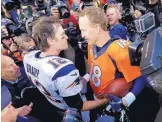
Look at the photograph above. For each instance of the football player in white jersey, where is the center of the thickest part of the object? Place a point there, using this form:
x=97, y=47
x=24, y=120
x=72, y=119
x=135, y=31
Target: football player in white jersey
x=57, y=78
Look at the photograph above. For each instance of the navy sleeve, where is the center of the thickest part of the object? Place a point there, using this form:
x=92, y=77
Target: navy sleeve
x=138, y=85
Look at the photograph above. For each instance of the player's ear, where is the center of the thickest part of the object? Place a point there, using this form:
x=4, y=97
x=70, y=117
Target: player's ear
x=120, y=15
x=97, y=27
x=50, y=41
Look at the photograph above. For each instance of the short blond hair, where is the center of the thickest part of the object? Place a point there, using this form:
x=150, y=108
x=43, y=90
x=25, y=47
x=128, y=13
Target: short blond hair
x=115, y=6
x=96, y=16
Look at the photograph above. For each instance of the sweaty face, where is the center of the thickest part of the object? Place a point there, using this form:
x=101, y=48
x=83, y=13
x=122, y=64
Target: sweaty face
x=61, y=39
x=87, y=30
x=10, y=71
x=112, y=16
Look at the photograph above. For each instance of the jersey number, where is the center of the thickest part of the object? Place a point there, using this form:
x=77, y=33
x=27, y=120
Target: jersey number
x=122, y=43
x=57, y=62
x=96, y=76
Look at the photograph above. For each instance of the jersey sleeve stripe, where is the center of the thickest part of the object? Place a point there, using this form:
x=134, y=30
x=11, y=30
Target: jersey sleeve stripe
x=64, y=71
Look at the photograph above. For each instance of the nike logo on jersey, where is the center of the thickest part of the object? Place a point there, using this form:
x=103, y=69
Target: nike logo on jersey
x=73, y=74
x=76, y=82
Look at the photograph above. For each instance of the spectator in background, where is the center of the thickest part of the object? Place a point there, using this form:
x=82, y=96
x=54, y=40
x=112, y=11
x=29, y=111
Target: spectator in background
x=70, y=2
x=75, y=10
x=6, y=43
x=12, y=78
x=65, y=21
x=55, y=12
x=9, y=47
x=113, y=13
x=10, y=14
x=26, y=43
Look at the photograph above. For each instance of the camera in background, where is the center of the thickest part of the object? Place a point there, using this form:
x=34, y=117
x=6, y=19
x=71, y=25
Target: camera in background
x=62, y=8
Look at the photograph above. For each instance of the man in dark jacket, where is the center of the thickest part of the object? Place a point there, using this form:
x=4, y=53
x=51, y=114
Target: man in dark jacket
x=11, y=77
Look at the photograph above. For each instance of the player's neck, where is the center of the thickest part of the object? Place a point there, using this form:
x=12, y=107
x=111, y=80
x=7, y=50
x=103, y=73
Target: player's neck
x=102, y=38
x=49, y=52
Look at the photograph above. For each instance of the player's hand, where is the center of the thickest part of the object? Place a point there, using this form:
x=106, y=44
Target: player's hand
x=24, y=110
x=84, y=80
x=72, y=115
x=115, y=102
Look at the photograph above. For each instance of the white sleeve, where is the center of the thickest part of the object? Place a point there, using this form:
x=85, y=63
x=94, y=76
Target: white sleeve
x=69, y=84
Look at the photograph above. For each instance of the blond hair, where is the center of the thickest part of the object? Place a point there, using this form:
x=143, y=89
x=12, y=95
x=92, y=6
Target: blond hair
x=95, y=15
x=115, y=6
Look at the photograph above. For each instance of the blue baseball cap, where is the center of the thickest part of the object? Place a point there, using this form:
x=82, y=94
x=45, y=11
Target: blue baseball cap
x=75, y=6
x=5, y=97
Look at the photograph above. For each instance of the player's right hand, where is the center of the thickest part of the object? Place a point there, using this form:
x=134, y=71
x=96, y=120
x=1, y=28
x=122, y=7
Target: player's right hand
x=115, y=103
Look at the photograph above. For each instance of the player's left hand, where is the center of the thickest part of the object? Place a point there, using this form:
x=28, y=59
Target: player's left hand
x=115, y=102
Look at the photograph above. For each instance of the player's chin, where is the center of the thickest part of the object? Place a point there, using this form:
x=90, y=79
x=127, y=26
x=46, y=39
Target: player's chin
x=66, y=46
x=111, y=23
x=90, y=42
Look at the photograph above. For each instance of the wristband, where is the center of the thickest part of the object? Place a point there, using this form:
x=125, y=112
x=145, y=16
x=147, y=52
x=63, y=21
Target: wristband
x=129, y=98
x=86, y=77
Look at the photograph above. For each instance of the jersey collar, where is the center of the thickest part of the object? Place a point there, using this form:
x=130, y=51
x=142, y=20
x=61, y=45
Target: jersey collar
x=104, y=48
x=37, y=55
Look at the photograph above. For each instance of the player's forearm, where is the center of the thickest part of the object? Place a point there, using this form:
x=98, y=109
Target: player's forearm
x=138, y=86
x=89, y=105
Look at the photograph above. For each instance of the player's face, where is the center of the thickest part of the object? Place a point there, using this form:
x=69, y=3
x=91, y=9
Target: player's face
x=61, y=39
x=88, y=31
x=112, y=16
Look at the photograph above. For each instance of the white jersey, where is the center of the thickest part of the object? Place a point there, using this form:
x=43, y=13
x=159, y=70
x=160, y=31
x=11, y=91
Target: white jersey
x=54, y=76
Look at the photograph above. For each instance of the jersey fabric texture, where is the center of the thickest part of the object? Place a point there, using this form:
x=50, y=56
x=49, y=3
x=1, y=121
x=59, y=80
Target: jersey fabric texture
x=102, y=68
x=55, y=77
